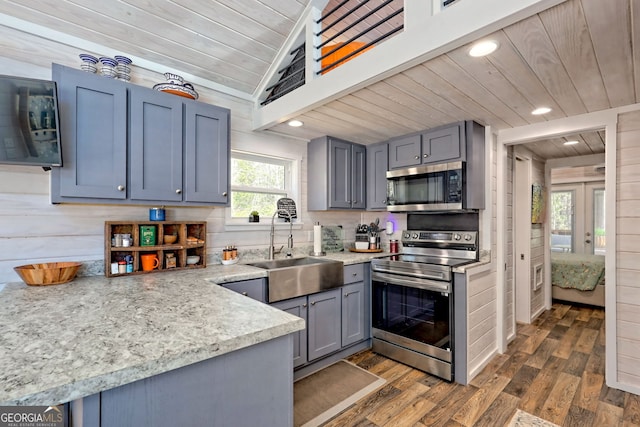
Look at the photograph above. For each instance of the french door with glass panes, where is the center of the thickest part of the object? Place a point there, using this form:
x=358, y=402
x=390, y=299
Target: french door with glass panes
x=577, y=218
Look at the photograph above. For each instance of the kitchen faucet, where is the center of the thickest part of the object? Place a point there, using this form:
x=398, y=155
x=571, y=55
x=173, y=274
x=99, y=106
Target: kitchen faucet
x=272, y=250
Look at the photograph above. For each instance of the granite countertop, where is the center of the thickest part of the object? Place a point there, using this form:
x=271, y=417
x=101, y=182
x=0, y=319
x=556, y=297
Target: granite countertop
x=64, y=342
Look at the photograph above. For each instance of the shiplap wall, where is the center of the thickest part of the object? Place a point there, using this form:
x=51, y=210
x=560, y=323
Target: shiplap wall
x=538, y=237
x=33, y=230
x=628, y=249
x=482, y=304
x=510, y=309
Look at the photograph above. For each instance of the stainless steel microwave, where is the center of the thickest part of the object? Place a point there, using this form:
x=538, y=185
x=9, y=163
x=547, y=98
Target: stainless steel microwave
x=435, y=187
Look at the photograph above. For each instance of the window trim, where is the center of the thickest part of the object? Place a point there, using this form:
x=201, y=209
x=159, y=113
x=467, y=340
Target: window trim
x=292, y=180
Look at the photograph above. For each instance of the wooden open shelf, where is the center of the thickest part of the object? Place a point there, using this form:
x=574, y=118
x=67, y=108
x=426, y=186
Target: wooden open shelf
x=191, y=241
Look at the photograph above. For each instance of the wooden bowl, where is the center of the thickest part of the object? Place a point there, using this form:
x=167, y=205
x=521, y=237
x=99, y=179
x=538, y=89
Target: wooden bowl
x=170, y=238
x=49, y=273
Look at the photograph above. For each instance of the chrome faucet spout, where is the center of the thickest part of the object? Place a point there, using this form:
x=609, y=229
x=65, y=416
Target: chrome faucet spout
x=272, y=250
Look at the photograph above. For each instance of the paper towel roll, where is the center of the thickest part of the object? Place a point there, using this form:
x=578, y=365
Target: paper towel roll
x=317, y=238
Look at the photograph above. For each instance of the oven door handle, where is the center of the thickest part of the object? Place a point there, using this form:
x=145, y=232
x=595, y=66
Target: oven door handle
x=427, y=285
x=441, y=276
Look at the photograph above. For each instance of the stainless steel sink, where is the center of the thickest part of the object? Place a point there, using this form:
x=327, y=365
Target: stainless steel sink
x=293, y=277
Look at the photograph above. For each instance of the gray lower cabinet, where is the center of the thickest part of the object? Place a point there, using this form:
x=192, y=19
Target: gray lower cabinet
x=353, y=307
x=324, y=320
x=253, y=288
x=297, y=307
x=321, y=313
x=127, y=144
x=335, y=319
x=247, y=387
x=336, y=174
x=377, y=165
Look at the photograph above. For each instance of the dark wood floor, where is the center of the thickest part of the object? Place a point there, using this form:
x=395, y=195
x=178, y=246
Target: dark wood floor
x=553, y=369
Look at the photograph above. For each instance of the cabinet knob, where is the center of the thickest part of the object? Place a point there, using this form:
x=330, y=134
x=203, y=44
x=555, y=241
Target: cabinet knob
x=245, y=294
x=346, y=295
x=416, y=157
x=425, y=155
x=304, y=305
x=178, y=191
x=313, y=303
x=224, y=193
x=354, y=274
x=120, y=187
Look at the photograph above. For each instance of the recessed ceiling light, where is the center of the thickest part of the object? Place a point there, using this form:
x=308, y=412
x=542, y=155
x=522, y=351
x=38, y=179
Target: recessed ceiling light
x=295, y=123
x=541, y=110
x=571, y=142
x=483, y=48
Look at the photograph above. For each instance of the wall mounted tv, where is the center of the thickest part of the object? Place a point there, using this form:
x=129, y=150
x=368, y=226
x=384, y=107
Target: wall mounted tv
x=29, y=126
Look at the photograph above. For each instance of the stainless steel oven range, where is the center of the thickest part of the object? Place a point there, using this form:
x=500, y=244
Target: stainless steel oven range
x=413, y=299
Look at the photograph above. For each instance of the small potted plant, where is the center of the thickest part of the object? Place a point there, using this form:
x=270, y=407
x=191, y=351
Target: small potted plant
x=254, y=216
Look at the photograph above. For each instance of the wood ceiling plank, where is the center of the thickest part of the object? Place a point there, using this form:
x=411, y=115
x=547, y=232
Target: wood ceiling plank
x=532, y=41
x=451, y=82
x=376, y=131
x=567, y=27
x=217, y=12
x=383, y=95
x=594, y=141
x=487, y=75
x=208, y=28
x=391, y=127
x=167, y=32
x=510, y=63
x=339, y=129
x=129, y=42
x=385, y=128
x=371, y=102
x=265, y=15
x=609, y=24
x=393, y=90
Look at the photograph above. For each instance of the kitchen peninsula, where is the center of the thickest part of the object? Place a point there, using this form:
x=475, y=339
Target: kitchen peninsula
x=144, y=350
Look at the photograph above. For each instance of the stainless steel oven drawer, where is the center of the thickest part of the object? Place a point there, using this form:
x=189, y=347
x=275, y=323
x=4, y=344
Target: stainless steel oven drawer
x=413, y=358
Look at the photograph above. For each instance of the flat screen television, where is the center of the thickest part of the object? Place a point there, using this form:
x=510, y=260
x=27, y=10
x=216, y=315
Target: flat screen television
x=29, y=125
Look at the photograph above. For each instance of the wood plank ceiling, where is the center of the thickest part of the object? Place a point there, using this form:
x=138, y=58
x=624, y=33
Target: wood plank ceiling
x=577, y=57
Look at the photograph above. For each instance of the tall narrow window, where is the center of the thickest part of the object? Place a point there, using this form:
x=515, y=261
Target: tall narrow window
x=598, y=222
x=562, y=221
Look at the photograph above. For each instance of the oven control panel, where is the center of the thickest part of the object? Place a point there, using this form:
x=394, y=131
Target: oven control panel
x=415, y=236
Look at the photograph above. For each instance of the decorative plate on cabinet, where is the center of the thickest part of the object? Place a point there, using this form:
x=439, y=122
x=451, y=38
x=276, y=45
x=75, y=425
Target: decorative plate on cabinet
x=176, y=90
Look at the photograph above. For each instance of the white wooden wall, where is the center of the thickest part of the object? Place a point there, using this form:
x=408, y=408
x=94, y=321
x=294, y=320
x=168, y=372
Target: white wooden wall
x=33, y=230
x=510, y=310
x=628, y=249
x=538, y=238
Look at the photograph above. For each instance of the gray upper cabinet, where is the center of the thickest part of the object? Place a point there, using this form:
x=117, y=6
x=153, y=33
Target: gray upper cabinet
x=206, y=151
x=441, y=144
x=377, y=165
x=405, y=151
x=156, y=145
x=128, y=144
x=93, y=129
x=336, y=174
